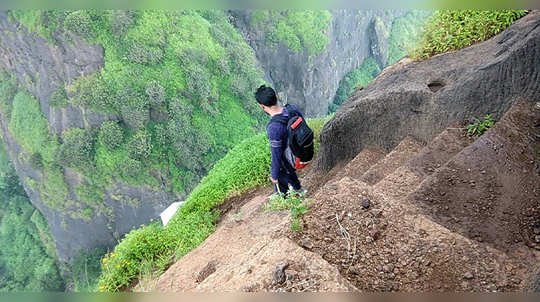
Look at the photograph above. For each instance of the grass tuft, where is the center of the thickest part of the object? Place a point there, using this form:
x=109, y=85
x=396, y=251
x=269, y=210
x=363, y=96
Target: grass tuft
x=449, y=30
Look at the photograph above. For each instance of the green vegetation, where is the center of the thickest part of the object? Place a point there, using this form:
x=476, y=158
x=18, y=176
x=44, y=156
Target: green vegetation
x=244, y=167
x=298, y=30
x=111, y=135
x=30, y=128
x=27, y=251
x=359, y=77
x=449, y=30
x=181, y=81
x=405, y=34
x=85, y=270
x=479, y=127
x=294, y=202
x=40, y=21
x=77, y=148
x=58, y=98
x=8, y=89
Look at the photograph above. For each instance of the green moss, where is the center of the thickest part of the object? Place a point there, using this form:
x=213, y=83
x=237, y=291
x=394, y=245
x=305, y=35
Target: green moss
x=87, y=213
x=89, y=194
x=44, y=233
x=449, y=30
x=42, y=22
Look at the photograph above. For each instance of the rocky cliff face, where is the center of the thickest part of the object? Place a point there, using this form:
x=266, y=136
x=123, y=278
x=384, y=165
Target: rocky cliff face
x=40, y=68
x=311, y=82
x=423, y=98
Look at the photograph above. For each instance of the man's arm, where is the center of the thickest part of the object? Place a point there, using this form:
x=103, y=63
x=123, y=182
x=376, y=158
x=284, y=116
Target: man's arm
x=276, y=149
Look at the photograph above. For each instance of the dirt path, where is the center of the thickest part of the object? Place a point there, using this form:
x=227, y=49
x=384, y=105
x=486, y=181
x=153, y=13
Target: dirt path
x=248, y=252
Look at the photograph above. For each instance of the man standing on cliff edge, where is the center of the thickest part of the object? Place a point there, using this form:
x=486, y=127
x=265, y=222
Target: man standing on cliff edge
x=282, y=173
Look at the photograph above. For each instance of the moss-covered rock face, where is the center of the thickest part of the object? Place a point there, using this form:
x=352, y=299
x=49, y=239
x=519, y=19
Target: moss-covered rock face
x=112, y=115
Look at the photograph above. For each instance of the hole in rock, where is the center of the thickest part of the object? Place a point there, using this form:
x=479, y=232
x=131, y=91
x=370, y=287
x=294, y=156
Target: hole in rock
x=435, y=86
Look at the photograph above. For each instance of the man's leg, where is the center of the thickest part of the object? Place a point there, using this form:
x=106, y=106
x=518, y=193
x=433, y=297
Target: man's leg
x=283, y=181
x=294, y=181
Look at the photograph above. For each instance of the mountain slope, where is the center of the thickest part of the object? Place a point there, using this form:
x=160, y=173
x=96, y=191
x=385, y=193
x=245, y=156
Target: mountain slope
x=417, y=205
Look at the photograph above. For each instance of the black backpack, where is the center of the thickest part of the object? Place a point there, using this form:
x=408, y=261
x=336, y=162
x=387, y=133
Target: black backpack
x=299, y=151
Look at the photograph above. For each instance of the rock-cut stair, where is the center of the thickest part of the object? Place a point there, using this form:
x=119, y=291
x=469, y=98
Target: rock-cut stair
x=421, y=229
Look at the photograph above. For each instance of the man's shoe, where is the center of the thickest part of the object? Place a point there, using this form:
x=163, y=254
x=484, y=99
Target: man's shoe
x=302, y=192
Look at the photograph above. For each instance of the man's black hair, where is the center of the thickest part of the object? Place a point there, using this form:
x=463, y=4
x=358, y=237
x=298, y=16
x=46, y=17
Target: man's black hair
x=266, y=96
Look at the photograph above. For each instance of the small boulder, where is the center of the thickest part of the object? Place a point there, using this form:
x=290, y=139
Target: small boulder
x=279, y=273
x=366, y=204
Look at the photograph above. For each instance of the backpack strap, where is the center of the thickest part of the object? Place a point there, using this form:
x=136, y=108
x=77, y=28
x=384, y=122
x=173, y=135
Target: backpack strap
x=284, y=119
x=280, y=119
x=291, y=111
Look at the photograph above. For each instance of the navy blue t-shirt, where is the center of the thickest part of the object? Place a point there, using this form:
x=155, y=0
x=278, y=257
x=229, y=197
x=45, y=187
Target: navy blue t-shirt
x=277, y=134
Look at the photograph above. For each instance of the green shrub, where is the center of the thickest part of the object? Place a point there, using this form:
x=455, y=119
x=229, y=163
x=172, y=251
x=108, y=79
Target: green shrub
x=79, y=22
x=121, y=21
x=58, y=98
x=111, y=135
x=93, y=92
x=139, y=145
x=155, y=93
x=131, y=169
x=85, y=269
x=449, y=30
x=36, y=160
x=77, y=149
x=134, y=109
x=145, y=54
x=479, y=127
